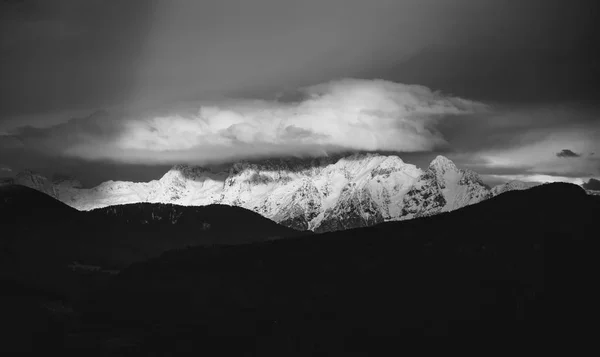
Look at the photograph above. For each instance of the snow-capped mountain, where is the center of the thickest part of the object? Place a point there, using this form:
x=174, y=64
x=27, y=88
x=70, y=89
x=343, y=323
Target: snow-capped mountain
x=512, y=186
x=36, y=181
x=322, y=194
x=443, y=187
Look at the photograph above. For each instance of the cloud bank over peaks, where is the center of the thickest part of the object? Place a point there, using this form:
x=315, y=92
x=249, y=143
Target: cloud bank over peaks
x=348, y=114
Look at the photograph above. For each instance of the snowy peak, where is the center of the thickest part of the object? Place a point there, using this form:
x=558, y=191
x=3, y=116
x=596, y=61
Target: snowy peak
x=363, y=157
x=31, y=176
x=36, y=181
x=444, y=171
x=187, y=172
x=321, y=194
x=443, y=187
x=442, y=164
x=511, y=186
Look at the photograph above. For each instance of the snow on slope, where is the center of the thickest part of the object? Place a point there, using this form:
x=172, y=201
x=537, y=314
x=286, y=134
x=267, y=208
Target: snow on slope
x=319, y=194
x=512, y=186
x=36, y=181
x=443, y=187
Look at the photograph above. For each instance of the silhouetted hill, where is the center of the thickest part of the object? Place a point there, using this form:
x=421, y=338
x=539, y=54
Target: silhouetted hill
x=230, y=223
x=476, y=272
x=52, y=254
x=20, y=204
x=479, y=271
x=42, y=238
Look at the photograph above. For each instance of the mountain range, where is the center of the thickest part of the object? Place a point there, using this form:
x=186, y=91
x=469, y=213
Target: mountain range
x=322, y=194
x=34, y=224
x=55, y=253
x=479, y=271
x=148, y=278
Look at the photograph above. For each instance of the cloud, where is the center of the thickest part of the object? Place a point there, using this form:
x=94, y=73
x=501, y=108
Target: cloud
x=592, y=184
x=9, y=141
x=526, y=139
x=348, y=114
x=538, y=178
x=567, y=153
x=537, y=156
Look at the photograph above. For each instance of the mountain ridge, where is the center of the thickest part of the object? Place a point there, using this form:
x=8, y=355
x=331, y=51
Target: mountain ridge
x=318, y=194
x=426, y=276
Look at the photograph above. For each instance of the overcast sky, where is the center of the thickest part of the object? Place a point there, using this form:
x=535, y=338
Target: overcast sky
x=105, y=89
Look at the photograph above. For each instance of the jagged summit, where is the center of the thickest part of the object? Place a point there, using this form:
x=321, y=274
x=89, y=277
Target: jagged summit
x=180, y=167
x=187, y=168
x=513, y=185
x=442, y=163
x=30, y=174
x=319, y=194
x=361, y=156
x=188, y=171
x=37, y=181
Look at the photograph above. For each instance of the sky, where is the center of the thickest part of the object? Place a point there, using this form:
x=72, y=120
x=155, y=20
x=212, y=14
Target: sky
x=122, y=90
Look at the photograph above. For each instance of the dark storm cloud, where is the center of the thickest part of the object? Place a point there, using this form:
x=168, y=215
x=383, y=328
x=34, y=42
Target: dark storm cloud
x=506, y=127
x=592, y=184
x=506, y=75
x=89, y=173
x=8, y=142
x=567, y=153
x=53, y=141
x=67, y=54
x=513, y=52
x=533, y=62
x=521, y=142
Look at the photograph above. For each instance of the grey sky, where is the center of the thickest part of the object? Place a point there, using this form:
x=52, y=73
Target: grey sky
x=64, y=55
x=64, y=59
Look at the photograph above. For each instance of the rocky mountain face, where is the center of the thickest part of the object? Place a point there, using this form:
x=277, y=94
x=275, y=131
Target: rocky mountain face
x=322, y=194
x=512, y=186
x=34, y=180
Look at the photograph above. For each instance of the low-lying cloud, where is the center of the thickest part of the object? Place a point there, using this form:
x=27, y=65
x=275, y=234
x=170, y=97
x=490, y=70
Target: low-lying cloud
x=592, y=184
x=538, y=178
x=349, y=114
x=567, y=153
x=542, y=143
